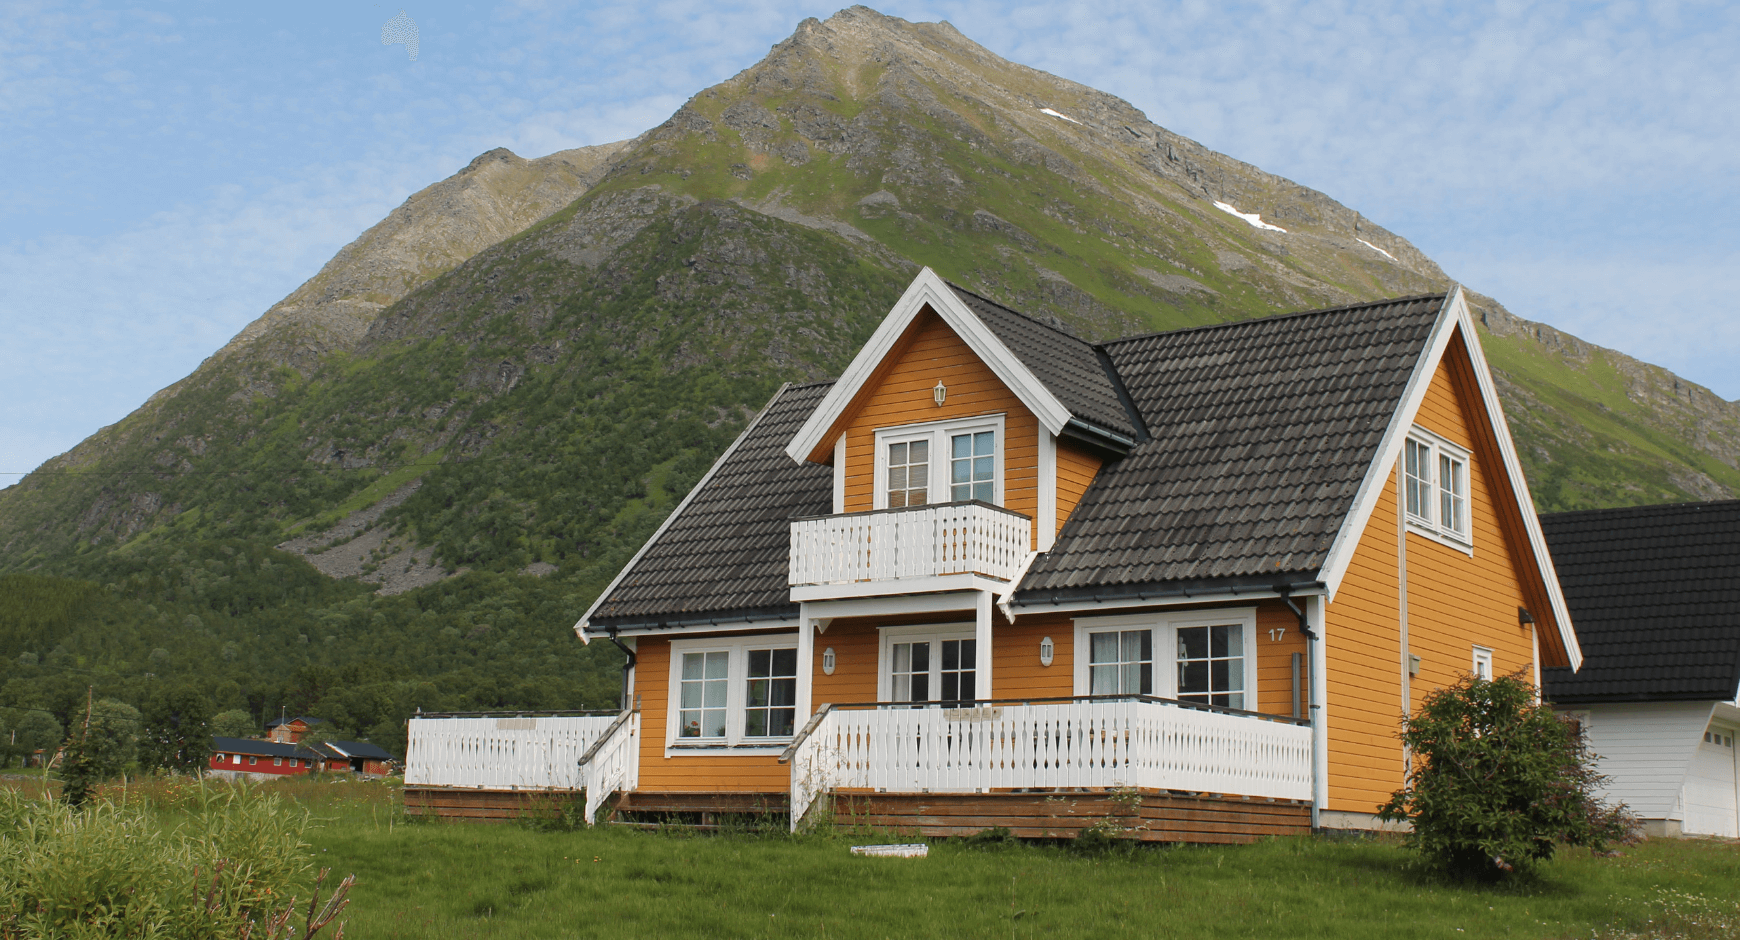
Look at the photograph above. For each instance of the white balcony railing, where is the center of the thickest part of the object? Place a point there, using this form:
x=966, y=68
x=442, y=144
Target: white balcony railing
x=1146, y=743
x=501, y=753
x=969, y=538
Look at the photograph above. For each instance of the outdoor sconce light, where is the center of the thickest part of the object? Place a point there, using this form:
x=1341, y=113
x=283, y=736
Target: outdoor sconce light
x=1413, y=665
x=939, y=393
x=1046, y=648
x=828, y=661
x=1523, y=617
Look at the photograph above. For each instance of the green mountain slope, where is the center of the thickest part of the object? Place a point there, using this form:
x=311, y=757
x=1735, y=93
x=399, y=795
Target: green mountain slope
x=529, y=411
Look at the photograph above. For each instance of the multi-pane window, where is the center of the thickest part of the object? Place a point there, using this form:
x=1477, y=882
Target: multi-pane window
x=1483, y=663
x=770, y=706
x=1211, y=665
x=1417, y=470
x=705, y=685
x=1435, y=486
x=972, y=466
x=1121, y=662
x=908, y=474
x=930, y=669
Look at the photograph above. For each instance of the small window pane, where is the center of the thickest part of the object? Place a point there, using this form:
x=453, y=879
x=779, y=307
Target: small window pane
x=908, y=474
x=973, y=466
x=1121, y=663
x=771, y=697
x=703, y=693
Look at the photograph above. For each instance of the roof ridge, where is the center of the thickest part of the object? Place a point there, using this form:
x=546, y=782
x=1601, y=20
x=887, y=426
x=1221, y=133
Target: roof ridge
x=1647, y=507
x=1440, y=295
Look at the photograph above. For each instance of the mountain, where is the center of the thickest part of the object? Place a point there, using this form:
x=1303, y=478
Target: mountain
x=482, y=384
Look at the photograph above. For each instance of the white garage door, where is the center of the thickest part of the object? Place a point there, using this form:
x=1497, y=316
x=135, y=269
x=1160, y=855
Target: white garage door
x=1712, y=803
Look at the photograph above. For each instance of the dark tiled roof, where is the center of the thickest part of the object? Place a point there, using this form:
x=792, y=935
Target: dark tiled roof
x=728, y=551
x=360, y=749
x=1261, y=432
x=258, y=748
x=1068, y=366
x=1655, y=594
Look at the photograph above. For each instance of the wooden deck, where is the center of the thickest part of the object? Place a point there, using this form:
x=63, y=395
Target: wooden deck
x=1145, y=816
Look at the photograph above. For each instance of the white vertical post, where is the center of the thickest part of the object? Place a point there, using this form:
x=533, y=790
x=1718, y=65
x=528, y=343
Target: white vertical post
x=1314, y=615
x=1045, y=527
x=982, y=642
x=806, y=663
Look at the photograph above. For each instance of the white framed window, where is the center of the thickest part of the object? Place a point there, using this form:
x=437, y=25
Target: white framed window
x=940, y=462
x=277, y=762
x=732, y=692
x=1434, y=481
x=928, y=663
x=1198, y=656
x=1482, y=663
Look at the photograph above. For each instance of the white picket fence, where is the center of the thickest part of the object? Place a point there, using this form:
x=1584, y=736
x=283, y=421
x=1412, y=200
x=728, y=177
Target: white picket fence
x=614, y=766
x=541, y=753
x=1151, y=745
x=896, y=544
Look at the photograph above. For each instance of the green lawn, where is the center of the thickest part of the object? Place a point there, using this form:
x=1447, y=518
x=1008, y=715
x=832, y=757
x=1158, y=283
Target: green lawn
x=469, y=880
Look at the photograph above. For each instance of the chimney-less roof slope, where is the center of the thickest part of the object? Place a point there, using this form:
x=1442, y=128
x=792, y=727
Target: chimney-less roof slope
x=727, y=552
x=1655, y=594
x=1068, y=366
x=1261, y=432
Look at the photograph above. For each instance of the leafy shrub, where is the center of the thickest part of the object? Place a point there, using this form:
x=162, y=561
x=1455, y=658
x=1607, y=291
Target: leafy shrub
x=1498, y=781
x=235, y=723
x=115, y=871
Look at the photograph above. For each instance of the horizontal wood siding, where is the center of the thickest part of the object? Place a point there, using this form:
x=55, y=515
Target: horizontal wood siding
x=712, y=772
x=900, y=394
x=489, y=806
x=1075, y=470
x=855, y=645
x=1646, y=750
x=1275, y=660
x=1015, y=667
x=1364, y=662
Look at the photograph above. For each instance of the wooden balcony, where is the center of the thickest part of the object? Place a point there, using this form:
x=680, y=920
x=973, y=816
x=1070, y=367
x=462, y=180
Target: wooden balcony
x=919, y=549
x=1140, y=744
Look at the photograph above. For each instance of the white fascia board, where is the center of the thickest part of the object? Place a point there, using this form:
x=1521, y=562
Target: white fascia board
x=1453, y=315
x=930, y=584
x=927, y=289
x=1519, y=484
x=894, y=605
x=1377, y=474
x=1135, y=603
x=585, y=620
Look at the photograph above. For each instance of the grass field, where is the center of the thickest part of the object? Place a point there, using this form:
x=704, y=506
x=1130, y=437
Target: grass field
x=511, y=881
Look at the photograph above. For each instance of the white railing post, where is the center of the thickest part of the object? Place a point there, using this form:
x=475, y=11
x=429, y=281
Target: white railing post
x=814, y=757
x=612, y=764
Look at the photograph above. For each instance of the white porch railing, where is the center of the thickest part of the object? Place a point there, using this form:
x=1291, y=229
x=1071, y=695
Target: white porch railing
x=1147, y=743
x=900, y=544
x=613, y=763
x=501, y=753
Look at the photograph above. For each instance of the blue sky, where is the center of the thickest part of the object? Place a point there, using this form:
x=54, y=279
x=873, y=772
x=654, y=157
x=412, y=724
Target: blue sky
x=167, y=172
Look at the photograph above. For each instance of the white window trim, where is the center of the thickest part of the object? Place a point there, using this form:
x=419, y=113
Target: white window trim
x=1165, y=644
x=928, y=631
x=1482, y=655
x=1434, y=528
x=736, y=695
x=938, y=433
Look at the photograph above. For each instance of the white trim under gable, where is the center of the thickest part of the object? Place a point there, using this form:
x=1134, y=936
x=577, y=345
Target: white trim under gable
x=1453, y=314
x=581, y=625
x=927, y=289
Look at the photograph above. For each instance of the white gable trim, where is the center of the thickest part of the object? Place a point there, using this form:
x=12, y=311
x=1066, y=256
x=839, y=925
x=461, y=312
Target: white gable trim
x=927, y=289
x=585, y=620
x=1453, y=314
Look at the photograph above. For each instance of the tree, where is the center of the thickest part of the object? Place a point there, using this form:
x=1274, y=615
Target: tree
x=1498, y=781
x=114, y=737
x=235, y=723
x=176, y=734
x=34, y=730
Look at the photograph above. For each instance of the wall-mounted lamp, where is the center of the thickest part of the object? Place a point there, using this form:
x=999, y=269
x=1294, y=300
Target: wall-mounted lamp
x=828, y=661
x=1413, y=665
x=1523, y=617
x=1046, y=649
x=939, y=393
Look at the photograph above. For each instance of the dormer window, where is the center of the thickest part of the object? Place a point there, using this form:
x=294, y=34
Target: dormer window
x=1435, y=488
x=919, y=464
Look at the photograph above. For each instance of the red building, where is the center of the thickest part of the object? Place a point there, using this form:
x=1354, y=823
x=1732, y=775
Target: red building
x=246, y=756
x=290, y=730
x=356, y=757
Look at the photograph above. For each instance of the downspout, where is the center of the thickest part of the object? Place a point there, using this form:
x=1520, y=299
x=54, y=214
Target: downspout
x=1319, y=741
x=627, y=666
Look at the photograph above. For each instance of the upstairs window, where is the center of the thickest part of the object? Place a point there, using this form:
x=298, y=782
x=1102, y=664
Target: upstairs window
x=1435, y=488
x=953, y=461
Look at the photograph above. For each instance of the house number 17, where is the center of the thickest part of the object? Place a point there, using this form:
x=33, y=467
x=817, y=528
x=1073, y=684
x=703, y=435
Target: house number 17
x=1276, y=633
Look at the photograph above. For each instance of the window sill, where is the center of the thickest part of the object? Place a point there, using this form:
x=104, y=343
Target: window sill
x=1460, y=543
x=774, y=746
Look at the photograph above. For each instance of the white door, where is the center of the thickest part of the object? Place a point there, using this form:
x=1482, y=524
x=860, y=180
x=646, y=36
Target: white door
x=1710, y=791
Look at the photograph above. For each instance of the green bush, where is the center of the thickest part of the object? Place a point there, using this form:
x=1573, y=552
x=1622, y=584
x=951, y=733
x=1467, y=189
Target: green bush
x=1498, y=781
x=109, y=870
